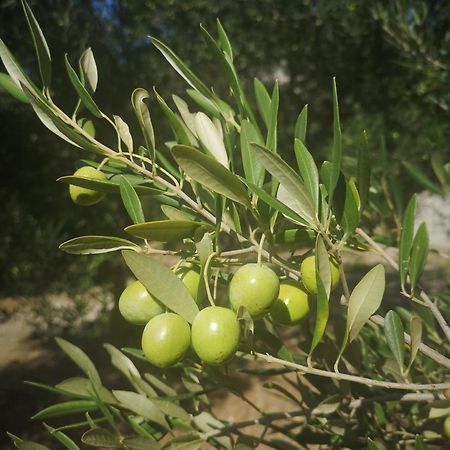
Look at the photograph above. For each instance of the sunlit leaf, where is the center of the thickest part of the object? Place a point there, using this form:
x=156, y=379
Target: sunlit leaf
x=416, y=338
x=363, y=170
x=253, y=170
x=7, y=83
x=308, y=171
x=262, y=101
x=271, y=141
x=88, y=71
x=302, y=203
x=143, y=116
x=124, y=132
x=365, y=299
x=162, y=283
x=210, y=173
x=301, y=125
x=92, y=245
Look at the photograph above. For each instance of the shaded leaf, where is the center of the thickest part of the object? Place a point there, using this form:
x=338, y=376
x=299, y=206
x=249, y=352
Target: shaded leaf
x=29, y=445
x=419, y=253
x=7, y=83
x=394, y=332
x=162, y=283
x=40, y=45
x=141, y=405
x=271, y=141
x=140, y=443
x=351, y=209
x=363, y=170
x=253, y=170
x=124, y=132
x=365, y=299
x=419, y=444
x=131, y=201
x=336, y=154
x=210, y=173
x=406, y=238
x=65, y=408
x=165, y=230
x=82, y=92
x=62, y=438
x=263, y=101
x=143, y=116
x=93, y=245
x=421, y=178
x=80, y=359
x=100, y=437
x=416, y=338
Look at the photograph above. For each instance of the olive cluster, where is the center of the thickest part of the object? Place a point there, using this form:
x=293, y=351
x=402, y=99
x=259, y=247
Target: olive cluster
x=215, y=332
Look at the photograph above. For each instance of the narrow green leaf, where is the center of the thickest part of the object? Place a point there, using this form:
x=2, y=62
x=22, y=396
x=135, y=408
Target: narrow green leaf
x=308, y=171
x=111, y=186
x=371, y=445
x=166, y=230
x=275, y=203
x=7, y=83
x=174, y=121
x=421, y=178
x=82, y=387
x=301, y=201
x=93, y=245
x=62, y=438
x=406, y=238
x=416, y=338
x=171, y=409
x=323, y=269
x=271, y=142
x=365, y=300
x=224, y=41
x=122, y=362
x=262, y=101
x=65, y=408
x=419, y=444
x=143, y=116
x=174, y=213
x=131, y=201
x=80, y=359
x=82, y=92
x=351, y=209
x=162, y=283
x=438, y=165
x=210, y=173
x=40, y=45
x=322, y=313
x=301, y=125
x=141, y=405
x=419, y=254
x=88, y=71
x=100, y=437
x=336, y=154
x=253, y=170
x=363, y=170
x=160, y=385
x=29, y=445
x=182, y=68
x=210, y=138
x=394, y=332
x=124, y=132
x=190, y=441
x=140, y=443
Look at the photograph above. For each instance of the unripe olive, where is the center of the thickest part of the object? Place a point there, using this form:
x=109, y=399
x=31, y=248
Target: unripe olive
x=191, y=279
x=308, y=273
x=215, y=334
x=166, y=339
x=292, y=304
x=137, y=305
x=447, y=426
x=83, y=196
x=254, y=287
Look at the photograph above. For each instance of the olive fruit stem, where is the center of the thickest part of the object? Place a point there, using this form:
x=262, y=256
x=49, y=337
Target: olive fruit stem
x=206, y=278
x=260, y=248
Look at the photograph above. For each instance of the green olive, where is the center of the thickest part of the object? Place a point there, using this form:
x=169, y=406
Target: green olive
x=254, y=287
x=447, y=426
x=83, y=196
x=137, y=305
x=191, y=279
x=292, y=304
x=166, y=339
x=215, y=334
x=308, y=274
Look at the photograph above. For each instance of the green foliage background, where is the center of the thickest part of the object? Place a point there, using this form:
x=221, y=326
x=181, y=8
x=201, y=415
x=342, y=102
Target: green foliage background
x=389, y=60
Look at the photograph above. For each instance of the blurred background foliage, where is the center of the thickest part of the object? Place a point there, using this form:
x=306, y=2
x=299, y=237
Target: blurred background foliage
x=391, y=60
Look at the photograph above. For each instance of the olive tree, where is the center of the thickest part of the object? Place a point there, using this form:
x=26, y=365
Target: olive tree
x=247, y=254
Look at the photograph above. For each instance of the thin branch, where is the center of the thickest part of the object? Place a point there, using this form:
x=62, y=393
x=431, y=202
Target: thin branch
x=354, y=378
